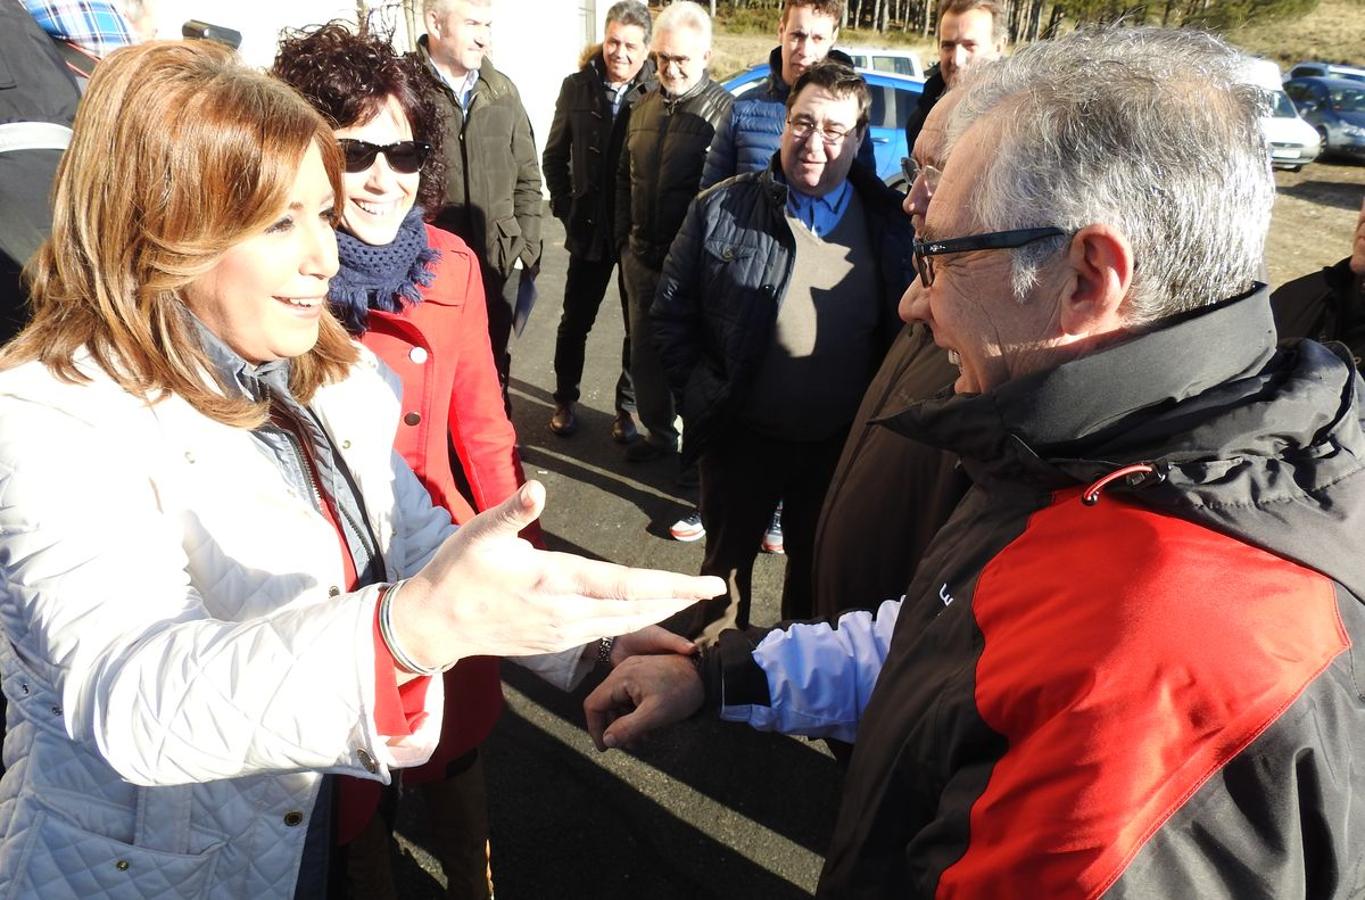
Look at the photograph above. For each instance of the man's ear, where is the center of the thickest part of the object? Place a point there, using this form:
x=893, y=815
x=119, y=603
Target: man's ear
x=433, y=22
x=1101, y=261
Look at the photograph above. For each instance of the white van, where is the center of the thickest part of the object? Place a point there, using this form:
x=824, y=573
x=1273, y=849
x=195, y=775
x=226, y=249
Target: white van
x=1293, y=142
x=881, y=59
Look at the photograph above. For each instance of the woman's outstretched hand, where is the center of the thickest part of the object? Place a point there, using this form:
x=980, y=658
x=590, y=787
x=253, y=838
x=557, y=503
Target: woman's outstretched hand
x=487, y=592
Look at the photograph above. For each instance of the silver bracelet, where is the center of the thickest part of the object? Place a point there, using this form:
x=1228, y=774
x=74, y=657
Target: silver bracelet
x=400, y=656
x=604, y=650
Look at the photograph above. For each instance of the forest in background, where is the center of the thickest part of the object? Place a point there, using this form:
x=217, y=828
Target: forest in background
x=912, y=21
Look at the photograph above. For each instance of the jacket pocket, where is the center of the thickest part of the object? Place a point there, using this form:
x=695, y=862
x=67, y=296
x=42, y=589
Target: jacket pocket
x=732, y=264
x=509, y=244
x=58, y=860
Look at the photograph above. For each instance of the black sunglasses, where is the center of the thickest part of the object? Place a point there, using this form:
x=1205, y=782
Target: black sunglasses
x=405, y=157
x=921, y=251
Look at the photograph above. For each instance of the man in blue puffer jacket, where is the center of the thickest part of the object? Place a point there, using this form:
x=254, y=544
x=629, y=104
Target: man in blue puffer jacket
x=747, y=140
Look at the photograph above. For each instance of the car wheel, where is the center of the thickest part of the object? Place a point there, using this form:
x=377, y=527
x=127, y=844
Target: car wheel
x=1322, y=135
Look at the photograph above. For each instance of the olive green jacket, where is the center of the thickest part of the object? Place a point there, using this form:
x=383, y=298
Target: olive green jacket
x=493, y=197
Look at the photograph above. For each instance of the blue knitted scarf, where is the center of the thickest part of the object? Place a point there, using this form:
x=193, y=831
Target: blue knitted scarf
x=384, y=277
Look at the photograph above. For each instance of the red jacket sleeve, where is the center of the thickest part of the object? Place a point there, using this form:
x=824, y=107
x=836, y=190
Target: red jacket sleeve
x=397, y=709
x=483, y=437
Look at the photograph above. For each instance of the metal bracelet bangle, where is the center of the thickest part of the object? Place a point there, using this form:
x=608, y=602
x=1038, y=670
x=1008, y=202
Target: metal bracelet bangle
x=604, y=650
x=400, y=656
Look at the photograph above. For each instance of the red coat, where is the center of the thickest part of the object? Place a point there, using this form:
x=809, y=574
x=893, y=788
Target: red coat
x=452, y=404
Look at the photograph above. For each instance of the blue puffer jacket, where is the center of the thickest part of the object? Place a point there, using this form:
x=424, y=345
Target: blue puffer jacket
x=747, y=140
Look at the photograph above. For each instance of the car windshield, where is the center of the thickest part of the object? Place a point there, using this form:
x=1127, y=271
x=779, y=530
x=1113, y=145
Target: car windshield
x=1280, y=107
x=1348, y=99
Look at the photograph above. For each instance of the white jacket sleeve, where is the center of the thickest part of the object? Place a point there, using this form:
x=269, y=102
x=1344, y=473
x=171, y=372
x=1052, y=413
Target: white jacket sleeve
x=809, y=678
x=98, y=598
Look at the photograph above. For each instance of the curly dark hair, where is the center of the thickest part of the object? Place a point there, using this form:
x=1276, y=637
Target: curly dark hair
x=348, y=76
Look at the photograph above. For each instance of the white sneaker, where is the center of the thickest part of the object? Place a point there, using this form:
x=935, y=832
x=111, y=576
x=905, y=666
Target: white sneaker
x=772, y=538
x=688, y=528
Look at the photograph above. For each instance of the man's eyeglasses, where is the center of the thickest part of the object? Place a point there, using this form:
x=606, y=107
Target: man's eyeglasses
x=912, y=170
x=405, y=157
x=832, y=136
x=923, y=252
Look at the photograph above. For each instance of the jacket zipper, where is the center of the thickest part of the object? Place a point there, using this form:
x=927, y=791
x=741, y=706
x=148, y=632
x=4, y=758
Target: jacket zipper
x=314, y=482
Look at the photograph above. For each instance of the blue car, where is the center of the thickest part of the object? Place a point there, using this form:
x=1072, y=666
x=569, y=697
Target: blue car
x=1336, y=108
x=893, y=97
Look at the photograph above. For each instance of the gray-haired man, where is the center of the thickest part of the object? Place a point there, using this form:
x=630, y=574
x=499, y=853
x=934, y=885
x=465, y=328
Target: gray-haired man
x=1129, y=664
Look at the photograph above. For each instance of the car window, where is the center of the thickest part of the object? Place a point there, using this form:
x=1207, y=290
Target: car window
x=1348, y=99
x=880, y=116
x=1302, y=71
x=859, y=61
x=897, y=64
x=1280, y=107
x=906, y=101
x=1296, y=92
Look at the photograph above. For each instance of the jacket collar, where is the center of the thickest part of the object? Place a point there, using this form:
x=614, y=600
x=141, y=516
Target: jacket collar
x=872, y=191
x=778, y=88
x=643, y=81
x=489, y=83
x=1091, y=405
x=702, y=84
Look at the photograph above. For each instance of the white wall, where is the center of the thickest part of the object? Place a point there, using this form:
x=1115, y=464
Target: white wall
x=535, y=42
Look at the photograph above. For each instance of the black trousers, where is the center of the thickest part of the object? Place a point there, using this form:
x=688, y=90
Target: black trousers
x=501, y=297
x=584, y=289
x=743, y=475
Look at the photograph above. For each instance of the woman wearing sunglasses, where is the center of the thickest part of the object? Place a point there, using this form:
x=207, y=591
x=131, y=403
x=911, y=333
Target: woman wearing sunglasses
x=412, y=293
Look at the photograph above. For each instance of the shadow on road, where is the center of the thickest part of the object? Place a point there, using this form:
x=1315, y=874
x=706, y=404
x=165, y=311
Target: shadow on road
x=1341, y=195
x=592, y=834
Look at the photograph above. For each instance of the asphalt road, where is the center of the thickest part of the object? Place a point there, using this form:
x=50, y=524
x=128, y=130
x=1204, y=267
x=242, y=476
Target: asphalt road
x=705, y=809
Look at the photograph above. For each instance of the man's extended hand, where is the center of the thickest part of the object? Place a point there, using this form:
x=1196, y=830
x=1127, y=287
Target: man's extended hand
x=640, y=695
x=649, y=640
x=487, y=592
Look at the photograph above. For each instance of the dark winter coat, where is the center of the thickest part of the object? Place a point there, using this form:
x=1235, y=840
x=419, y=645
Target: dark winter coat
x=752, y=133
x=890, y=494
x=1130, y=664
x=717, y=301
x=493, y=197
x=1326, y=306
x=661, y=163
x=934, y=86
x=582, y=153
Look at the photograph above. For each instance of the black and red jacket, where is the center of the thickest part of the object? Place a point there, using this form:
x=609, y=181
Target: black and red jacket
x=1130, y=665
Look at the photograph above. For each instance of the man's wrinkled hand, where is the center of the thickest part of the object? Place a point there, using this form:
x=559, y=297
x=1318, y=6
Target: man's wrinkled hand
x=647, y=641
x=640, y=695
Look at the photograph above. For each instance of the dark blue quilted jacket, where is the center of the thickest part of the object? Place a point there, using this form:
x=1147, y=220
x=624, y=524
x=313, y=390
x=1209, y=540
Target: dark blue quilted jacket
x=747, y=140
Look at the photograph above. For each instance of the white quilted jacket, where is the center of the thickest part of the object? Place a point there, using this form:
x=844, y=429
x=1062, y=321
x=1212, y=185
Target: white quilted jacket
x=180, y=665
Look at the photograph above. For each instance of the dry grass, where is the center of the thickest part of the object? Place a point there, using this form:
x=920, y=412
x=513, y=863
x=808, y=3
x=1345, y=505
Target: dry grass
x=735, y=52
x=1334, y=32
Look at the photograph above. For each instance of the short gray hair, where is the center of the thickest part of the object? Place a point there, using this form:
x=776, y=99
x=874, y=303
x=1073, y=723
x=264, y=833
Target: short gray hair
x=684, y=14
x=631, y=12
x=1149, y=130
x=440, y=6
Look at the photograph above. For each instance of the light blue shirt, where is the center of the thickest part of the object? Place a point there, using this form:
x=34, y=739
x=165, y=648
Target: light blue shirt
x=462, y=88
x=819, y=214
